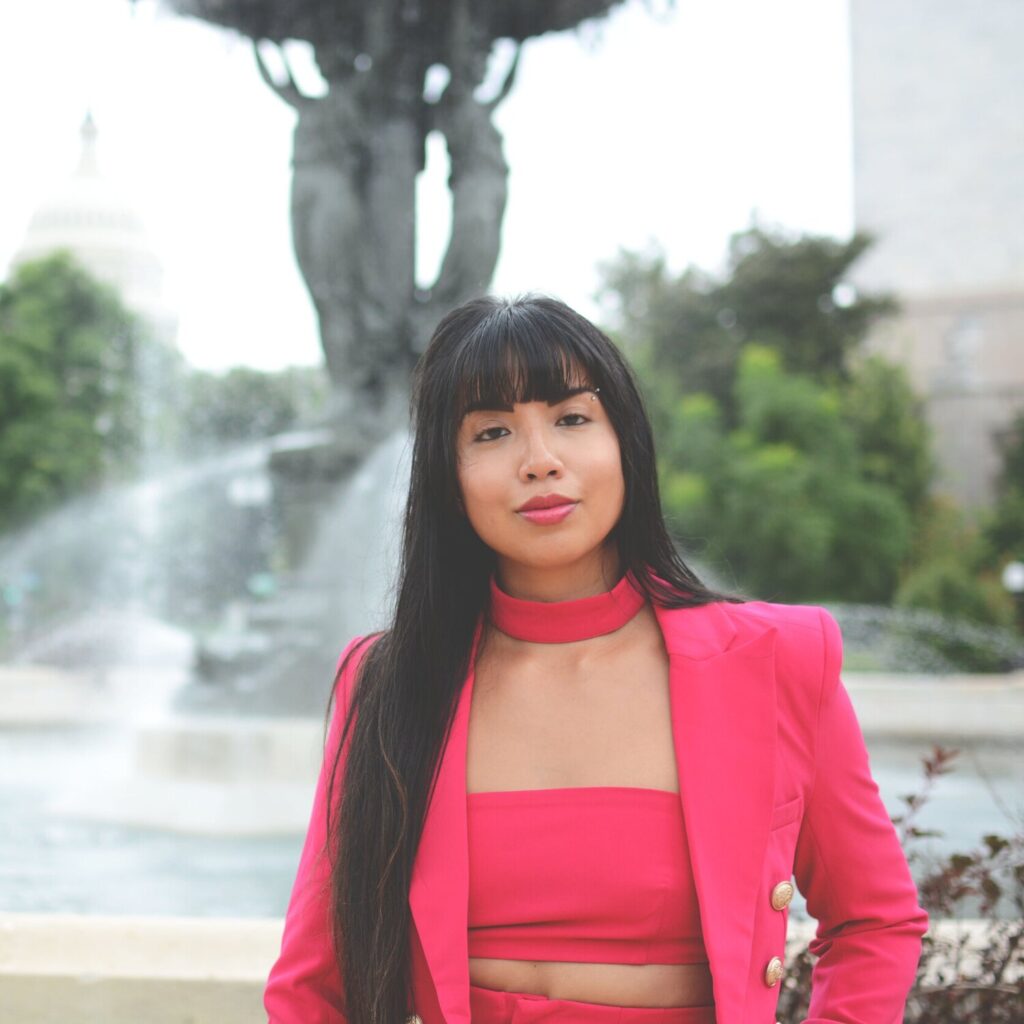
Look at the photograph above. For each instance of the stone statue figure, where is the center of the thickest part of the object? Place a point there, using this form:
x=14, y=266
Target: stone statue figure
x=357, y=151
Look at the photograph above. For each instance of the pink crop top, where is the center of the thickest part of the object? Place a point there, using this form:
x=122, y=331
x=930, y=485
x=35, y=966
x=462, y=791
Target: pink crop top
x=597, y=874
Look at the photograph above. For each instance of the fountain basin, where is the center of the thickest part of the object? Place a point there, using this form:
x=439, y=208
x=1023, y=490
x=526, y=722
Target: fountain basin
x=213, y=776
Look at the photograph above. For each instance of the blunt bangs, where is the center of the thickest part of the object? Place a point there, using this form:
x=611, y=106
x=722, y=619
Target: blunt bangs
x=514, y=356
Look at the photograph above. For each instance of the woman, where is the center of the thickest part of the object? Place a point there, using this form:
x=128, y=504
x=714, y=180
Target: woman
x=570, y=782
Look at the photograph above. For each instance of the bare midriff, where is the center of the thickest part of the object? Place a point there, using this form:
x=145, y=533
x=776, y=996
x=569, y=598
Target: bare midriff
x=659, y=985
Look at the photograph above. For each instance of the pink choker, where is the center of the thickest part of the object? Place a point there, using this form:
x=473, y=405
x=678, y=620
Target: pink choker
x=561, y=622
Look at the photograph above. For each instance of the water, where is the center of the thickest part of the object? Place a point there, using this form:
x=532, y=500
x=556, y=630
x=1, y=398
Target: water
x=51, y=861
x=256, y=566
x=984, y=794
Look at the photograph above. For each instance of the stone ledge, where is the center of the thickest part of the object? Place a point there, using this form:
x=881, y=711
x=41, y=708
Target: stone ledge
x=48, y=999
x=938, y=707
x=912, y=706
x=75, y=969
x=237, y=949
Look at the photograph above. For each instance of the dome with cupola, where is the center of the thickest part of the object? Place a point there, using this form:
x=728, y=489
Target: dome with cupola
x=92, y=218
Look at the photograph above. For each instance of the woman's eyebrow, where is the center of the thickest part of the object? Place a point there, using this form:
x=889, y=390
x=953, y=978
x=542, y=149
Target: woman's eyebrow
x=572, y=392
x=484, y=407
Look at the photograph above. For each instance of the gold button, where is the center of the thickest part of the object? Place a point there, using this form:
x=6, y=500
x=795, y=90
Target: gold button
x=773, y=972
x=781, y=895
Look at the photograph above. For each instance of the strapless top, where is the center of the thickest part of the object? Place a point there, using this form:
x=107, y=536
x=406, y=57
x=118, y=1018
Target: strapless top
x=597, y=874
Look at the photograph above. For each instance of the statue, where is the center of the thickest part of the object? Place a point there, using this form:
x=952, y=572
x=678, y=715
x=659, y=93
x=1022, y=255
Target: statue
x=357, y=151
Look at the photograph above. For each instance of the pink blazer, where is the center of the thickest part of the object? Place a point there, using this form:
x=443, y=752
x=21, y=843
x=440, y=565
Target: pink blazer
x=774, y=781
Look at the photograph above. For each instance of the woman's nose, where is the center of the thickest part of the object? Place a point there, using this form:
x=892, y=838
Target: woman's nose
x=539, y=460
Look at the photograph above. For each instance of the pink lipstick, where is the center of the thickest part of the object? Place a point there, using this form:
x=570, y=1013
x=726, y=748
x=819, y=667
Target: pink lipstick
x=547, y=516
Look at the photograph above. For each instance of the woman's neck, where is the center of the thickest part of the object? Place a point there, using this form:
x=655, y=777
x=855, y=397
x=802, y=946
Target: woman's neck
x=596, y=575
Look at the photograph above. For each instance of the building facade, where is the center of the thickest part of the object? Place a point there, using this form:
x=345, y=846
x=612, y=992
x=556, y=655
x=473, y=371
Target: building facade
x=938, y=122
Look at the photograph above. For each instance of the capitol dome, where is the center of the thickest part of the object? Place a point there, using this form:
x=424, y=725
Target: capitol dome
x=92, y=219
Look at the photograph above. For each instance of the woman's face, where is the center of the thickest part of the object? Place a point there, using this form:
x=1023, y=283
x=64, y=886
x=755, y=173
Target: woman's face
x=506, y=458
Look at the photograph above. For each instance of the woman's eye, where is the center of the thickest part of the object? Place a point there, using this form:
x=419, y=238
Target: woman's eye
x=488, y=433
x=575, y=415
x=482, y=436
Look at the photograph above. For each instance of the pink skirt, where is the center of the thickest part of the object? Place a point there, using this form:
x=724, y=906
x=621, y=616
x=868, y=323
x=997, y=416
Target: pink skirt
x=491, y=1006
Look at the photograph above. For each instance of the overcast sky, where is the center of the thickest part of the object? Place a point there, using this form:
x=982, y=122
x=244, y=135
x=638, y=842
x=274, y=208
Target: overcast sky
x=665, y=128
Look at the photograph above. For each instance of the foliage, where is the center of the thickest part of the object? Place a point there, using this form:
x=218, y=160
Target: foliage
x=785, y=292
x=892, y=433
x=791, y=292
x=1002, y=529
x=1004, y=526
x=947, y=585
x=86, y=393
x=804, y=463
x=68, y=411
x=963, y=978
x=1011, y=447
x=672, y=327
x=245, y=404
x=949, y=570
x=781, y=494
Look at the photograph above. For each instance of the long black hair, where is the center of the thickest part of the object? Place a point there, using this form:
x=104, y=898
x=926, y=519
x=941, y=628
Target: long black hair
x=492, y=352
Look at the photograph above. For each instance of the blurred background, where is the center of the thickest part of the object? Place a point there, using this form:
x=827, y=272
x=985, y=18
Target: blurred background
x=226, y=232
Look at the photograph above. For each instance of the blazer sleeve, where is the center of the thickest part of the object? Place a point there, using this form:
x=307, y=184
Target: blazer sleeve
x=305, y=985
x=852, y=871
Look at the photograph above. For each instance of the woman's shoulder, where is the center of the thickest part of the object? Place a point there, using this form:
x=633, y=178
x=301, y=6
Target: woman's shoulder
x=805, y=638
x=357, y=646
x=808, y=641
x=798, y=618
x=757, y=616
x=349, y=661
x=748, y=618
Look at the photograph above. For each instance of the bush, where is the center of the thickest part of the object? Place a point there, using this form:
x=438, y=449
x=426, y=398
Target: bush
x=949, y=587
x=964, y=979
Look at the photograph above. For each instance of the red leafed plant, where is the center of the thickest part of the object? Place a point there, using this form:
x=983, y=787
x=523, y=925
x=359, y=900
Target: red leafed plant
x=972, y=961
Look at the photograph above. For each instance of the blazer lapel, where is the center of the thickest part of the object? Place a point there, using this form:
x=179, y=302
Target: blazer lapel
x=722, y=695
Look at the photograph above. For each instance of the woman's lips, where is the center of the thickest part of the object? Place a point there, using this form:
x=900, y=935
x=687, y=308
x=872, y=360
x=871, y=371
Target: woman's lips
x=547, y=516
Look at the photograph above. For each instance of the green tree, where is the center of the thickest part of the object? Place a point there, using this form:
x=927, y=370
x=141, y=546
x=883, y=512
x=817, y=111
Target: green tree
x=785, y=292
x=674, y=327
x=690, y=453
x=1004, y=526
x=69, y=414
x=1011, y=447
x=802, y=519
x=781, y=498
x=245, y=404
x=892, y=433
x=794, y=463
x=791, y=293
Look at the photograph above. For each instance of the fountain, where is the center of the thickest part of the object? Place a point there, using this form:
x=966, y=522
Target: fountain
x=193, y=718
x=168, y=665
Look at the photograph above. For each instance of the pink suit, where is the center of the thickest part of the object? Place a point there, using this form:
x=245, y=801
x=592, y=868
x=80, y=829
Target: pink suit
x=774, y=781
